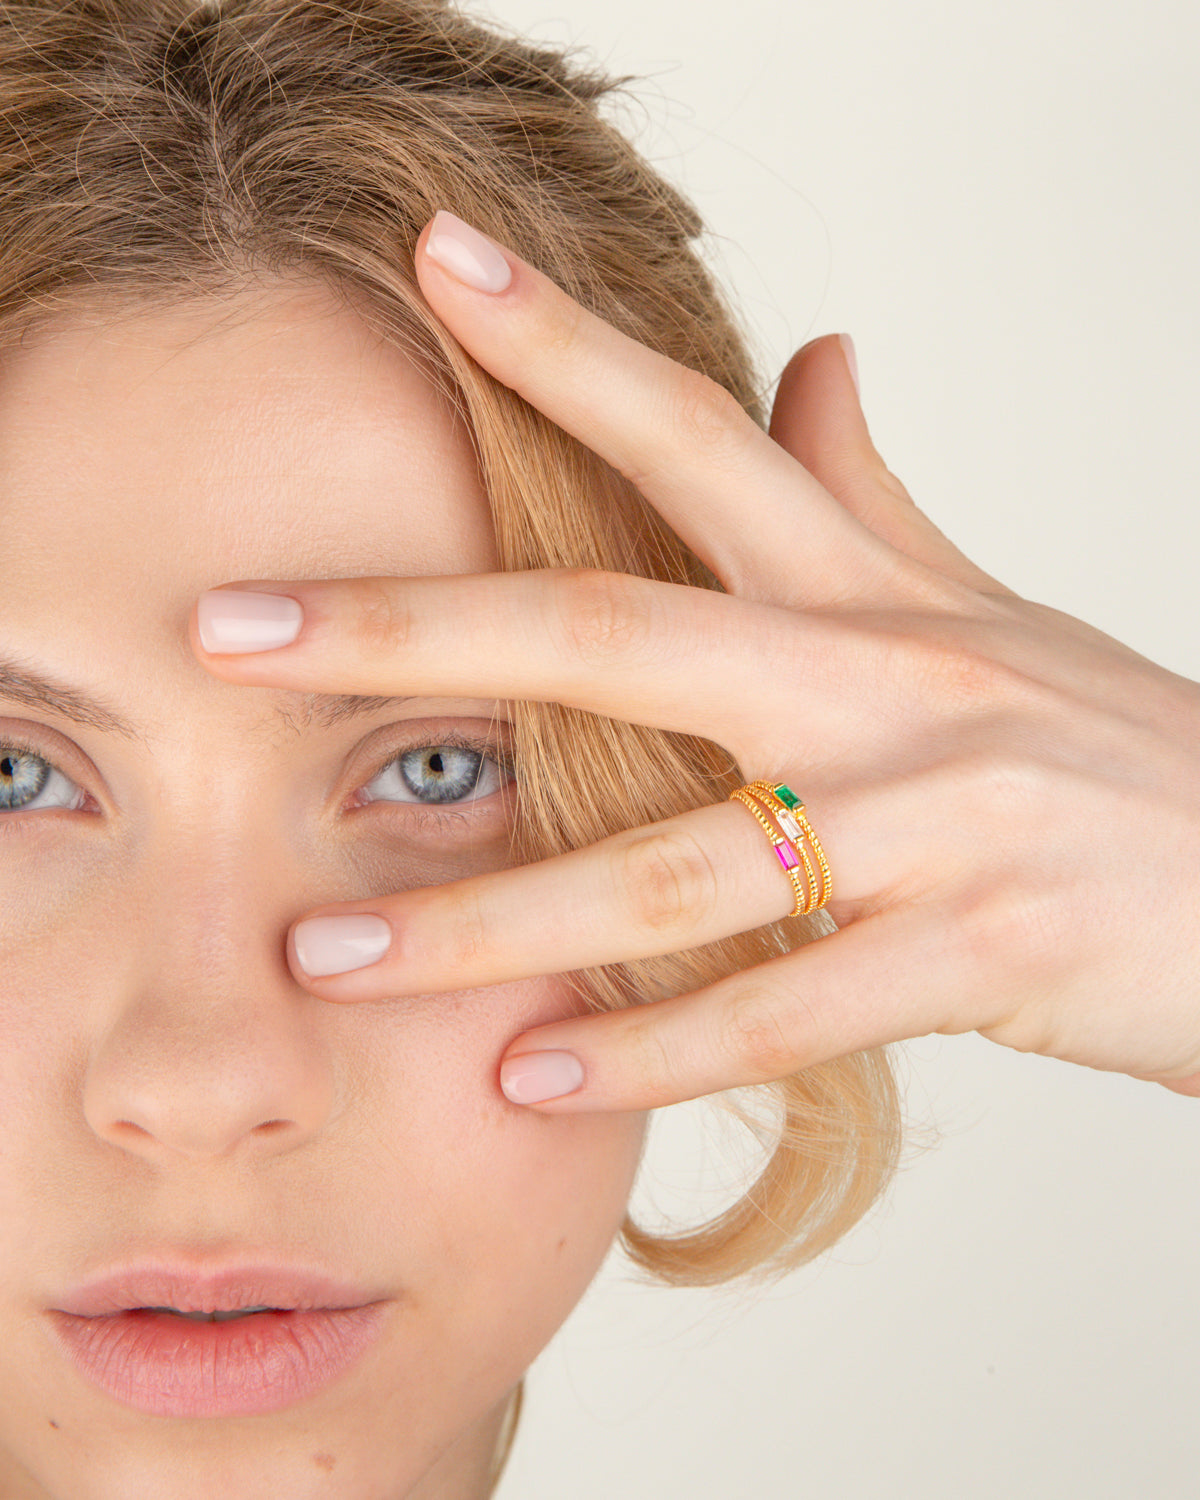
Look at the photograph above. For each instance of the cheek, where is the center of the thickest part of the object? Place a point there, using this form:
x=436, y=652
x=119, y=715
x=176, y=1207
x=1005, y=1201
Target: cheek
x=496, y=1197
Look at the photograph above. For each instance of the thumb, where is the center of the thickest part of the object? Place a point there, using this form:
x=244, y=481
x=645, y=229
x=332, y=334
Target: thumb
x=817, y=417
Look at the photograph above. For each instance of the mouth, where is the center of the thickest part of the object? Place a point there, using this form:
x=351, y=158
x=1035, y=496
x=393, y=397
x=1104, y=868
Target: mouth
x=174, y=1364
x=184, y=1339
x=215, y=1316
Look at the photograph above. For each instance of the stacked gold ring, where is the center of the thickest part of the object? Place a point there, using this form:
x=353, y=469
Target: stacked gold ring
x=788, y=839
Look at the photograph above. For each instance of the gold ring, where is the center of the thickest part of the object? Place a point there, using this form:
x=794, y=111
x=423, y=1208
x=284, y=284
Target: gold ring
x=788, y=840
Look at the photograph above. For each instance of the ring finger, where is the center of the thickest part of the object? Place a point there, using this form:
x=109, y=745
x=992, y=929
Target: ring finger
x=662, y=888
x=671, y=885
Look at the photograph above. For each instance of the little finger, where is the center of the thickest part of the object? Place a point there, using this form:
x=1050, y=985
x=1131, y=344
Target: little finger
x=902, y=973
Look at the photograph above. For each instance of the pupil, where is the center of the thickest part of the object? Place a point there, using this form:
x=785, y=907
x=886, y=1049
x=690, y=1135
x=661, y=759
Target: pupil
x=441, y=773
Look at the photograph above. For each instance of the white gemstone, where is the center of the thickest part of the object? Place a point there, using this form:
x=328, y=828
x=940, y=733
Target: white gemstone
x=787, y=823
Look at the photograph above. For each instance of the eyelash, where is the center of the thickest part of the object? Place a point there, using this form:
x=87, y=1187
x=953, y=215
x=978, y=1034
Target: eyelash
x=489, y=749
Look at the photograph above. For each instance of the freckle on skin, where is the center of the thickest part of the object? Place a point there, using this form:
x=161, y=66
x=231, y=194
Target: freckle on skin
x=325, y=1461
x=53, y=1423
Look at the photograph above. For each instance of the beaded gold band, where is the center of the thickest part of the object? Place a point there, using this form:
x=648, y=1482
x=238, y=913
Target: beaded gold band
x=783, y=848
x=787, y=810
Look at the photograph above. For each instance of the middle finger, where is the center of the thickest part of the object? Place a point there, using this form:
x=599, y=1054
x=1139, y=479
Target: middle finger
x=665, y=655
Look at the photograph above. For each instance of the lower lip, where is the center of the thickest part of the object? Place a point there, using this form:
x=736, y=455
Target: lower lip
x=172, y=1367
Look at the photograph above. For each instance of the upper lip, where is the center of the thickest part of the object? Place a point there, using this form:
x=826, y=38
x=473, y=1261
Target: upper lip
x=209, y=1288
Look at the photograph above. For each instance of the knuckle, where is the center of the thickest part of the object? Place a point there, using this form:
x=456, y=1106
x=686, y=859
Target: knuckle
x=1018, y=934
x=700, y=418
x=382, y=624
x=606, y=617
x=1006, y=789
x=465, y=942
x=982, y=930
x=977, y=678
x=668, y=882
x=705, y=416
x=754, y=1037
x=557, y=332
x=441, y=932
x=951, y=671
x=654, y=1062
x=948, y=664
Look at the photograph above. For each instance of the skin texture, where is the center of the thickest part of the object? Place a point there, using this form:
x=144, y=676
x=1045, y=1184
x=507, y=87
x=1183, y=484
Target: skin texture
x=165, y=1081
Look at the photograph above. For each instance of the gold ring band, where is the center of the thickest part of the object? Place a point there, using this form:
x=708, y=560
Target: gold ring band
x=788, y=810
x=788, y=840
x=791, y=866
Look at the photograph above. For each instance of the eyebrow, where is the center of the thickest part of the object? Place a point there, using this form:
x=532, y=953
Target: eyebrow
x=33, y=689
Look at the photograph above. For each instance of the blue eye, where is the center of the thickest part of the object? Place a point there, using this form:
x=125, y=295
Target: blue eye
x=25, y=775
x=438, y=774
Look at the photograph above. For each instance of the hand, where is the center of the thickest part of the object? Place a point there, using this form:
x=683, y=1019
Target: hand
x=1008, y=798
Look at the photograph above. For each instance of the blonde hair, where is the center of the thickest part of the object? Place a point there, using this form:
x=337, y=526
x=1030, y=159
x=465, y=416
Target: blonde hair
x=154, y=151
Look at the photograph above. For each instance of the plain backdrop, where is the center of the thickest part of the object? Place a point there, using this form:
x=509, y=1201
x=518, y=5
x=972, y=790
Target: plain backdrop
x=1000, y=204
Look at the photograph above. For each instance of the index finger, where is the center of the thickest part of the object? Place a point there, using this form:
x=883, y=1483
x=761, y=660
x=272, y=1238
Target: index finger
x=680, y=437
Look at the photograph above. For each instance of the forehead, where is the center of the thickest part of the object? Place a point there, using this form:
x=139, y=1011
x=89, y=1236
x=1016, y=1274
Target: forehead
x=276, y=424
x=149, y=454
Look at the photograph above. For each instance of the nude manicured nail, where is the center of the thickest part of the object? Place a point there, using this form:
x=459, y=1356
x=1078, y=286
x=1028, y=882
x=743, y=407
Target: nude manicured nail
x=540, y=1075
x=234, y=621
x=335, y=945
x=466, y=254
x=851, y=360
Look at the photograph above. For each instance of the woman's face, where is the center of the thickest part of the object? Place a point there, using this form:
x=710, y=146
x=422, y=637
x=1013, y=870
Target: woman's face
x=167, y=1089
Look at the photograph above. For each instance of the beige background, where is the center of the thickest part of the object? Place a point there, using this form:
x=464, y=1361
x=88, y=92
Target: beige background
x=1000, y=203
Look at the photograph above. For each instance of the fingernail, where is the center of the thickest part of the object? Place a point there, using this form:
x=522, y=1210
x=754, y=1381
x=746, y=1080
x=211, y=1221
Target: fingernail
x=232, y=621
x=335, y=945
x=466, y=254
x=851, y=360
x=540, y=1075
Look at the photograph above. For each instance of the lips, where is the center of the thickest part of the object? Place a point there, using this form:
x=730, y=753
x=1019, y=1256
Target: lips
x=167, y=1366
x=195, y=1288
x=318, y=1330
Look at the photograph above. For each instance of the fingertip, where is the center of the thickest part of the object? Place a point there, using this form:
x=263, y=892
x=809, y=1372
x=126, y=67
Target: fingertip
x=794, y=370
x=813, y=417
x=535, y=1077
x=465, y=254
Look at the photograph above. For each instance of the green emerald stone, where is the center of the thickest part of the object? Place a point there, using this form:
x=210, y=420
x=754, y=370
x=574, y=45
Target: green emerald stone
x=785, y=794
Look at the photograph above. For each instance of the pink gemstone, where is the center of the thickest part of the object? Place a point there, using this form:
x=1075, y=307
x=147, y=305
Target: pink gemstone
x=787, y=857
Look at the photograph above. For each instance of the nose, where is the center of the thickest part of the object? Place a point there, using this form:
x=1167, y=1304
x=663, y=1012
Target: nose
x=222, y=1075
x=207, y=1047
